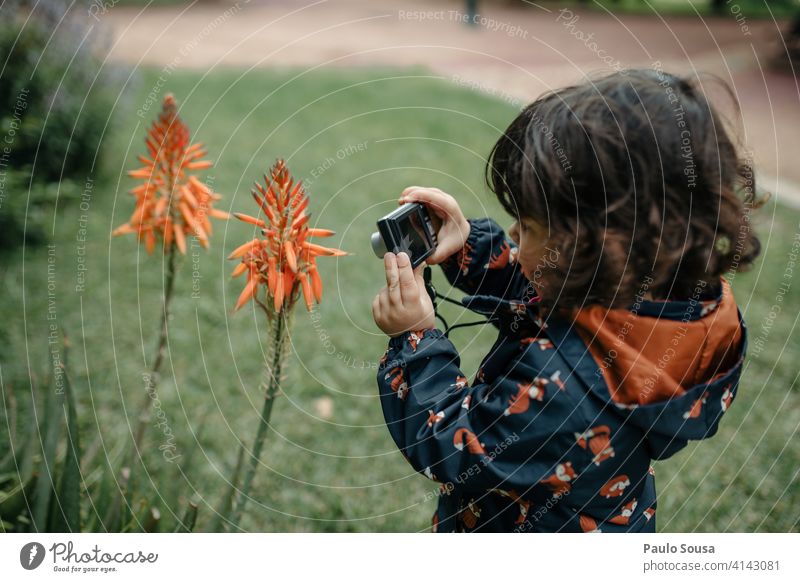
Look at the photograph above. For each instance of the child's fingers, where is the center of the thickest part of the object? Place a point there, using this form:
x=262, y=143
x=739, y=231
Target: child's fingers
x=438, y=201
x=392, y=277
x=418, y=275
x=447, y=247
x=437, y=256
x=383, y=298
x=409, y=189
x=408, y=284
x=438, y=212
x=376, y=309
x=409, y=193
x=423, y=195
x=436, y=191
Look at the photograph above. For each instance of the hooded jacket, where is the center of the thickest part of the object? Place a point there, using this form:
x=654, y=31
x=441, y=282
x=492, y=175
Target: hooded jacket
x=557, y=431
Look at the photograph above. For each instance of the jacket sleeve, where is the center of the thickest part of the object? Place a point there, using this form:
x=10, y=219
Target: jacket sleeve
x=486, y=265
x=469, y=436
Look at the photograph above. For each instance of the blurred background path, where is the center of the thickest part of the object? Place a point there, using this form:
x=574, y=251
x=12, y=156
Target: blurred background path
x=514, y=52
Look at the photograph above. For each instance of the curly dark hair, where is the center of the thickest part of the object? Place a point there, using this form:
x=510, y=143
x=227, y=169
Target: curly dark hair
x=637, y=180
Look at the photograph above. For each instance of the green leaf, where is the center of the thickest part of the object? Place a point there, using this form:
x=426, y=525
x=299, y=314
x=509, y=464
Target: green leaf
x=9, y=412
x=189, y=520
x=13, y=500
x=226, y=505
x=45, y=486
x=28, y=457
x=133, y=521
x=113, y=518
x=68, y=518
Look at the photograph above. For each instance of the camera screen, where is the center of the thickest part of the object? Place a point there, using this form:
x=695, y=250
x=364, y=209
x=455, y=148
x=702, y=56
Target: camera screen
x=414, y=240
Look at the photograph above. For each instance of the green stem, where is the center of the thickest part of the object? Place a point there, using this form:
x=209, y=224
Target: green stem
x=161, y=350
x=113, y=515
x=271, y=387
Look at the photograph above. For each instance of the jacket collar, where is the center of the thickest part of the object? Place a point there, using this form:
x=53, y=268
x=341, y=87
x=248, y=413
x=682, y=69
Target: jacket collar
x=705, y=300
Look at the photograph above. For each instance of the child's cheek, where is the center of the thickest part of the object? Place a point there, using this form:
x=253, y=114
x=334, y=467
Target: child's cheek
x=525, y=259
x=526, y=266
x=531, y=262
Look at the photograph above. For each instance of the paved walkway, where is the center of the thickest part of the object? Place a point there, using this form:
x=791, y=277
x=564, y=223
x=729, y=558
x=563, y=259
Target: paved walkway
x=513, y=51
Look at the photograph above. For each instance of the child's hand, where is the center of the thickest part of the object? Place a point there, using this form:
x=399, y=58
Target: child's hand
x=403, y=304
x=452, y=229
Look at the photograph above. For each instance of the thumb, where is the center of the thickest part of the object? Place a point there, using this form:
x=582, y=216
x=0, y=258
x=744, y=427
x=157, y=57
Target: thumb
x=419, y=274
x=444, y=250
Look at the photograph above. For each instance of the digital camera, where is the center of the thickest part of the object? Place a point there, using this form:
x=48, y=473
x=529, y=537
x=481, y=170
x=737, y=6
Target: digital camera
x=408, y=229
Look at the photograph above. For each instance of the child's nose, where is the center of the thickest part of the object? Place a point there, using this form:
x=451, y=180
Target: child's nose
x=513, y=232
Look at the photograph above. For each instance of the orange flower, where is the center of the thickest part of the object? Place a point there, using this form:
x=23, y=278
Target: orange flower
x=284, y=260
x=171, y=204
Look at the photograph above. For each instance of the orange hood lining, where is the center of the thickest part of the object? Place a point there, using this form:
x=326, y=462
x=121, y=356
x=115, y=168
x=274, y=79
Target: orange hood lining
x=646, y=359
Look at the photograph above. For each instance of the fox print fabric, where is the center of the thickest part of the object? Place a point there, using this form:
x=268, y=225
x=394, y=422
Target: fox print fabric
x=550, y=435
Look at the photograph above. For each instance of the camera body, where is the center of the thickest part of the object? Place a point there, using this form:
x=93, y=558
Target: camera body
x=407, y=229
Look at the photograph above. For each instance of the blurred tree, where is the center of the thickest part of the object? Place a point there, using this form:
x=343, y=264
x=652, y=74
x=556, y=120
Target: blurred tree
x=56, y=98
x=792, y=39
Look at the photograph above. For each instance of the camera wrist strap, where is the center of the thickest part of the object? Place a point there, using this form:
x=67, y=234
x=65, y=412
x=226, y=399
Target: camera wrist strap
x=434, y=295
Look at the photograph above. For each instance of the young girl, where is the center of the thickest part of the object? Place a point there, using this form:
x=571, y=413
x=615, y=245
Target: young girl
x=619, y=338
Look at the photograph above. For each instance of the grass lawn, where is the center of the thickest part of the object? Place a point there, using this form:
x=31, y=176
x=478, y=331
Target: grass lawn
x=358, y=137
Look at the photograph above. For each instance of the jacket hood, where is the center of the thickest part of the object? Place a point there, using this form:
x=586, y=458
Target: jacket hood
x=657, y=351
x=670, y=367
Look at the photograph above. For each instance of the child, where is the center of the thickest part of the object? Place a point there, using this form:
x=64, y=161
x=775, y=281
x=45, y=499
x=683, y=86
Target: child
x=619, y=338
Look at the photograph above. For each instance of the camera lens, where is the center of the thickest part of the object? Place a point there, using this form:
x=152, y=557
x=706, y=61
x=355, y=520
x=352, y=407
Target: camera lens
x=378, y=245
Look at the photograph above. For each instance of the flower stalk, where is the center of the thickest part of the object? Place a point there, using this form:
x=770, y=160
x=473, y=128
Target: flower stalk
x=171, y=205
x=271, y=387
x=161, y=349
x=280, y=267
